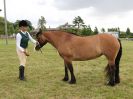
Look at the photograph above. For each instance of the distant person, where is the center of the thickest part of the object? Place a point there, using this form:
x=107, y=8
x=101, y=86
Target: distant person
x=22, y=39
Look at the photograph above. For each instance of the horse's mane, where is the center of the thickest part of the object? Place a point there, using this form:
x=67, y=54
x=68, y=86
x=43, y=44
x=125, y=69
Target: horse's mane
x=63, y=31
x=39, y=32
x=73, y=33
x=55, y=30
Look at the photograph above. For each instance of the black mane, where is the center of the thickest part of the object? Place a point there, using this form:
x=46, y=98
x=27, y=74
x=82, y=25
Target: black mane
x=70, y=32
x=73, y=33
x=39, y=32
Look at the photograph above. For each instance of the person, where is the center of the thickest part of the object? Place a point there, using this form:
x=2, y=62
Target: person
x=22, y=39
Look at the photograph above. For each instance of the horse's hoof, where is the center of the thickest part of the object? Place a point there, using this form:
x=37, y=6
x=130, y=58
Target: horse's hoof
x=65, y=79
x=117, y=81
x=72, y=82
x=111, y=84
x=23, y=79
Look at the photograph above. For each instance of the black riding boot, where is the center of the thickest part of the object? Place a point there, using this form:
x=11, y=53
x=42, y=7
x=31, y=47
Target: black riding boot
x=21, y=72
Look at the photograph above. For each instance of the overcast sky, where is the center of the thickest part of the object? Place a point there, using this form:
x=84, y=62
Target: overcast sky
x=100, y=13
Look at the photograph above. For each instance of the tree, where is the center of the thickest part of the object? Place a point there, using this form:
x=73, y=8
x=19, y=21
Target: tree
x=10, y=27
x=90, y=30
x=114, y=29
x=86, y=30
x=103, y=30
x=128, y=32
x=118, y=31
x=16, y=26
x=78, y=21
x=96, y=30
x=41, y=23
x=2, y=27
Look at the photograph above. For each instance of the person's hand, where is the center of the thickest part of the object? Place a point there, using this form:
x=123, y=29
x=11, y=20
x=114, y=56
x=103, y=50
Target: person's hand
x=27, y=54
x=37, y=43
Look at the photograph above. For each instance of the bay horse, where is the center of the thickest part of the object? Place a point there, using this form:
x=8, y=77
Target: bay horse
x=77, y=48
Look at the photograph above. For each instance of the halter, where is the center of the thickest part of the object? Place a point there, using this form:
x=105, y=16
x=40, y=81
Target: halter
x=40, y=47
x=39, y=32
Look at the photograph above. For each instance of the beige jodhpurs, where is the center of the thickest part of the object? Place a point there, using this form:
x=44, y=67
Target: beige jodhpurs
x=22, y=57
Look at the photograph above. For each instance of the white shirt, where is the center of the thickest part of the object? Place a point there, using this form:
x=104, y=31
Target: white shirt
x=18, y=40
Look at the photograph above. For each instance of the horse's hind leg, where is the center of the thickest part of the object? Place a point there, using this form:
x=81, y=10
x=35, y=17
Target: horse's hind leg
x=110, y=70
x=66, y=77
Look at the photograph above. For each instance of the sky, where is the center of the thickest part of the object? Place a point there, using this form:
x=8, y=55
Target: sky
x=100, y=13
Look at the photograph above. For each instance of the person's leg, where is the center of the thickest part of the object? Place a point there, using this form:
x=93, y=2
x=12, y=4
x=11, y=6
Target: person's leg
x=22, y=59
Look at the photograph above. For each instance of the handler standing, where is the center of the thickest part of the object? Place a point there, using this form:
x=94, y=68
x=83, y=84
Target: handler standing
x=22, y=39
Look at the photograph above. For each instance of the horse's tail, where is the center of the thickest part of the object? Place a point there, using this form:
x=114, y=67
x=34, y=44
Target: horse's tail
x=118, y=57
x=117, y=62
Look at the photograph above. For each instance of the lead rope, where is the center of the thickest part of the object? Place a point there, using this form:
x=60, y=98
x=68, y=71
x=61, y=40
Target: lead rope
x=40, y=50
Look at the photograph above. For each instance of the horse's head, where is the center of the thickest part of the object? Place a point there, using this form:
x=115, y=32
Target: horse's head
x=41, y=40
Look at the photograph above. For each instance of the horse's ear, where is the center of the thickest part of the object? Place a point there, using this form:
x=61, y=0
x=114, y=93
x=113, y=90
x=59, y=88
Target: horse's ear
x=39, y=32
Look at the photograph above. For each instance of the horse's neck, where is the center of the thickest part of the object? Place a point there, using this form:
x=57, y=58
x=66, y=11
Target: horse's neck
x=53, y=38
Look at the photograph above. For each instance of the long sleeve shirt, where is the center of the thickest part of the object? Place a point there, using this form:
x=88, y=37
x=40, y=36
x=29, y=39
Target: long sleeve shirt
x=18, y=40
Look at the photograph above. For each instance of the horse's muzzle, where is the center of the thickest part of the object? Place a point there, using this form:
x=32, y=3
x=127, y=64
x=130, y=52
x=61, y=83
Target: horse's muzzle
x=37, y=48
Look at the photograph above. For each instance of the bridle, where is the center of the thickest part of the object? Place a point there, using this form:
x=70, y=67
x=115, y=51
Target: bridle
x=40, y=31
x=39, y=47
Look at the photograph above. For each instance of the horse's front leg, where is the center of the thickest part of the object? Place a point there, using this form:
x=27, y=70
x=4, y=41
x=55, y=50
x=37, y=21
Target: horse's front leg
x=73, y=79
x=66, y=77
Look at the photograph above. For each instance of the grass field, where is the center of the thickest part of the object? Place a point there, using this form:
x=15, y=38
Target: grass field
x=45, y=71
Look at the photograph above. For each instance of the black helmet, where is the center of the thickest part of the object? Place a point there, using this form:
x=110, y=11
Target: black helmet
x=23, y=23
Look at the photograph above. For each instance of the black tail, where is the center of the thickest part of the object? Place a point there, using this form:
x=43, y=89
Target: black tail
x=117, y=62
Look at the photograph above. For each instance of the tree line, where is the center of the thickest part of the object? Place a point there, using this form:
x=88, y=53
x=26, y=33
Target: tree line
x=14, y=27
x=78, y=27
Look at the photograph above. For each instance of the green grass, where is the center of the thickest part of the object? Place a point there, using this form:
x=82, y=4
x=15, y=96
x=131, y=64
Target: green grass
x=45, y=71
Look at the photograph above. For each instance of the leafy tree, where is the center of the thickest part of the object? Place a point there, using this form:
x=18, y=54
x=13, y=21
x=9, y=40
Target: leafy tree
x=114, y=29
x=10, y=27
x=16, y=26
x=128, y=32
x=78, y=21
x=118, y=31
x=96, y=30
x=86, y=31
x=41, y=23
x=2, y=25
x=90, y=30
x=71, y=30
x=103, y=30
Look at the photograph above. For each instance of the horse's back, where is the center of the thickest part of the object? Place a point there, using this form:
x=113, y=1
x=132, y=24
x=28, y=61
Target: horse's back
x=89, y=47
x=84, y=48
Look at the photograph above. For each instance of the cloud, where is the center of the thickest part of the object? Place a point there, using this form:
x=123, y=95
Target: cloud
x=100, y=13
x=104, y=6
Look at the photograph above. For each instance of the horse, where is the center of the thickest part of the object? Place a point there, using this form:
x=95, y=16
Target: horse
x=81, y=48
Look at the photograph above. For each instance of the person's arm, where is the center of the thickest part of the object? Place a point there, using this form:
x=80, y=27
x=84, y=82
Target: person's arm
x=31, y=39
x=18, y=40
